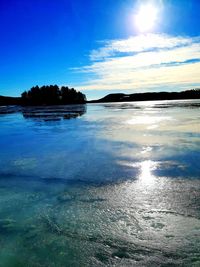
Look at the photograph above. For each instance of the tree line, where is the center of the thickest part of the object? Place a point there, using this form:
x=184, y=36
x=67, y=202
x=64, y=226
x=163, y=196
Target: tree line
x=52, y=95
x=120, y=97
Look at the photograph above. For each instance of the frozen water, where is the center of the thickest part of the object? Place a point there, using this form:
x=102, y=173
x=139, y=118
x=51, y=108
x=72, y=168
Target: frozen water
x=114, y=184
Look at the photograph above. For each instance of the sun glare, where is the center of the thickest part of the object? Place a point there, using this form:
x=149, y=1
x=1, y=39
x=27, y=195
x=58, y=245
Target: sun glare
x=146, y=17
x=146, y=171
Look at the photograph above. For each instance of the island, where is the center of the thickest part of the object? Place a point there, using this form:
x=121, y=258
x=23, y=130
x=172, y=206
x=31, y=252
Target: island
x=46, y=95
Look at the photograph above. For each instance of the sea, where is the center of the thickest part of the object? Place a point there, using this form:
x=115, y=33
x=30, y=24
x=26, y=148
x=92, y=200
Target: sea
x=107, y=184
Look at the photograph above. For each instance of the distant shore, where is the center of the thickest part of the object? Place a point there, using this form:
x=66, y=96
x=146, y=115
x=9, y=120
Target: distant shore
x=120, y=97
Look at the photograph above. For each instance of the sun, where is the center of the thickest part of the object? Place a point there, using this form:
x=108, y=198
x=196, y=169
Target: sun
x=146, y=17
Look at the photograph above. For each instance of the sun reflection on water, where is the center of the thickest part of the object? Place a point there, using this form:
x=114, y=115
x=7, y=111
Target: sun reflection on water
x=147, y=119
x=146, y=168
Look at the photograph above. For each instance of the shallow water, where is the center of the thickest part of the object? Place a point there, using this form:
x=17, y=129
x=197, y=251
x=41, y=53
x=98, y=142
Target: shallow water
x=114, y=184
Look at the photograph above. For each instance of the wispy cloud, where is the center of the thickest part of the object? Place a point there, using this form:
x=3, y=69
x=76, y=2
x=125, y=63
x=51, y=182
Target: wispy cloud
x=139, y=43
x=144, y=61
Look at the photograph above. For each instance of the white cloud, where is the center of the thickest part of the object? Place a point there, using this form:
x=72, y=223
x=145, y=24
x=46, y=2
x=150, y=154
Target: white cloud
x=139, y=43
x=144, y=61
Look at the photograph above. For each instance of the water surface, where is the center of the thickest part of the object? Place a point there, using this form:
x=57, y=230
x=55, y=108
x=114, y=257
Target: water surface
x=114, y=184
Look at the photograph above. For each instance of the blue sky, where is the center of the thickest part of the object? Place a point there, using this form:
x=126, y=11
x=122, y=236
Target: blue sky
x=97, y=47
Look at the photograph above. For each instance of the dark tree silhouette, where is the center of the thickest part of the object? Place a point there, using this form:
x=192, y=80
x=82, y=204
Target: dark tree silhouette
x=52, y=95
x=188, y=94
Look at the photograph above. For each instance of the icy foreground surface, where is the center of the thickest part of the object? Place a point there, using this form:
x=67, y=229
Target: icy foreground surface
x=103, y=185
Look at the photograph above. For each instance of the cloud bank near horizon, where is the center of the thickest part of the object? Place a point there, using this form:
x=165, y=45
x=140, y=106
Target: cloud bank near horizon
x=145, y=61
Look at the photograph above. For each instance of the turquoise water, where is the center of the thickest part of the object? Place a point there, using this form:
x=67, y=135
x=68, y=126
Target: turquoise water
x=113, y=184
